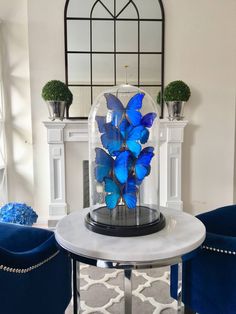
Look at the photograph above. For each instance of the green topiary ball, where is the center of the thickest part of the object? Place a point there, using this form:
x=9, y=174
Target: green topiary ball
x=57, y=91
x=177, y=91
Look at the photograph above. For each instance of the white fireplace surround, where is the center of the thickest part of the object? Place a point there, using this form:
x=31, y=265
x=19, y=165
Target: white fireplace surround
x=58, y=133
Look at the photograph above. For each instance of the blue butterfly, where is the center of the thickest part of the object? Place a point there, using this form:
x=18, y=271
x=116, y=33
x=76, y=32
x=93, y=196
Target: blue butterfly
x=130, y=112
x=106, y=165
x=147, y=122
x=115, y=193
x=114, y=140
x=142, y=166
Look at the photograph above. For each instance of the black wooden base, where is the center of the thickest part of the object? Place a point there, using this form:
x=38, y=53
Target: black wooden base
x=125, y=231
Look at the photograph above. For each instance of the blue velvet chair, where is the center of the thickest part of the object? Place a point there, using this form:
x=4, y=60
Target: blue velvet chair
x=35, y=275
x=209, y=278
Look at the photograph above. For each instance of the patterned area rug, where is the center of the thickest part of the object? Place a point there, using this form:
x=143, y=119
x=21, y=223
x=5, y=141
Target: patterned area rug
x=102, y=291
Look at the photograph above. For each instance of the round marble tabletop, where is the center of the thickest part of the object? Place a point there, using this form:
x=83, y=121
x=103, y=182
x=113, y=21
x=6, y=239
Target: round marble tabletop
x=182, y=234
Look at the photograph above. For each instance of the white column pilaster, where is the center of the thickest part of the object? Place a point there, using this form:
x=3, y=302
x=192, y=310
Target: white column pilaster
x=55, y=135
x=171, y=139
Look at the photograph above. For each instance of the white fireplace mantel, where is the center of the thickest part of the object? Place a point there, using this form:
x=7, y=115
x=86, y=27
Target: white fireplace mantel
x=58, y=133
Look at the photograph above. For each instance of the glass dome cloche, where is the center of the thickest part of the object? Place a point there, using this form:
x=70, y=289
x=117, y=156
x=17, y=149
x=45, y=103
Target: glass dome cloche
x=124, y=163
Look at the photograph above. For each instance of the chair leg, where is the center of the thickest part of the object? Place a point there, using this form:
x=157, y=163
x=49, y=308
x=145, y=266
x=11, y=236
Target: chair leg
x=187, y=310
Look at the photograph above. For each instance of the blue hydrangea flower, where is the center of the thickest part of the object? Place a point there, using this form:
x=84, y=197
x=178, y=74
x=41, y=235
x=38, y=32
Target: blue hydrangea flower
x=19, y=213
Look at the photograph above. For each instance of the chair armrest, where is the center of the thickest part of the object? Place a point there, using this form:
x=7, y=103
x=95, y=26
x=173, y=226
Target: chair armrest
x=220, y=221
x=220, y=243
x=29, y=258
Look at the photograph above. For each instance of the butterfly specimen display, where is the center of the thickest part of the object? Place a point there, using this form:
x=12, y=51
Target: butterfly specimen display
x=124, y=159
x=124, y=164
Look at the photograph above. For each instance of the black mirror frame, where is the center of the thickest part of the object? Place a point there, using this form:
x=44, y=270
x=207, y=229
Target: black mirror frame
x=115, y=18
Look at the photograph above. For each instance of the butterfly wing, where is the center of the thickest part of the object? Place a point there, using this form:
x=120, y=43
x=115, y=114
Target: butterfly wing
x=117, y=117
x=101, y=121
x=142, y=165
x=129, y=194
x=140, y=171
x=134, y=135
x=113, y=195
x=148, y=119
x=114, y=104
x=124, y=126
x=121, y=168
x=104, y=164
x=134, y=147
x=134, y=117
x=148, y=149
x=112, y=139
x=144, y=136
x=134, y=104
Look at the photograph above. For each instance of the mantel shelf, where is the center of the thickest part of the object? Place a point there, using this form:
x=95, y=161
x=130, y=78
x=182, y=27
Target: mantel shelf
x=77, y=130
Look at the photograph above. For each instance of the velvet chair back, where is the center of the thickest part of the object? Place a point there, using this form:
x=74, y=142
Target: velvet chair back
x=35, y=274
x=209, y=277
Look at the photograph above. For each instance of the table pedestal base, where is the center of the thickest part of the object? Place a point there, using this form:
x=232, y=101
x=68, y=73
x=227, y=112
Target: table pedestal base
x=127, y=289
x=76, y=286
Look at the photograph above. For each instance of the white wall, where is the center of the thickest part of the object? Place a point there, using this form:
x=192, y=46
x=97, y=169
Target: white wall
x=200, y=49
x=46, y=52
x=14, y=46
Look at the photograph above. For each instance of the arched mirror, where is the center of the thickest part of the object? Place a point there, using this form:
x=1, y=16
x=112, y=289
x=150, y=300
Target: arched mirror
x=110, y=42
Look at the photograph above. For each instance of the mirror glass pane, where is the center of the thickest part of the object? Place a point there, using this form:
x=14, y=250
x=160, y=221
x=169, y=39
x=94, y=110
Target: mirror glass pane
x=103, y=35
x=127, y=36
x=109, y=4
x=78, y=68
x=79, y=8
x=150, y=69
x=102, y=11
x=152, y=91
x=147, y=43
x=132, y=71
x=78, y=35
x=129, y=12
x=148, y=9
x=81, y=100
x=103, y=69
x=98, y=90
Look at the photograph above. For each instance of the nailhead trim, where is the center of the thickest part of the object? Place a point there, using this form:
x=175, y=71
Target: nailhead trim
x=218, y=250
x=26, y=270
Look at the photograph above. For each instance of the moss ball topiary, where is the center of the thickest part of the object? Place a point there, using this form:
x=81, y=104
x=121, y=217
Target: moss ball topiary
x=177, y=91
x=57, y=91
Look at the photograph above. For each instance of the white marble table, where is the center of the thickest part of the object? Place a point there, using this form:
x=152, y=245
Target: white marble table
x=183, y=233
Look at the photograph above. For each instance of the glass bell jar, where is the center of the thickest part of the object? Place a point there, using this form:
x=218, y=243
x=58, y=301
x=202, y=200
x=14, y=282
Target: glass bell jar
x=124, y=163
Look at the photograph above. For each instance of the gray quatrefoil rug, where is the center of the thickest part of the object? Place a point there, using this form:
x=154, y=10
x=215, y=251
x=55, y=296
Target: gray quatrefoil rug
x=102, y=291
